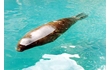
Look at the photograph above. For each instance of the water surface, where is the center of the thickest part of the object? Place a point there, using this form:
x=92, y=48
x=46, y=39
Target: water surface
x=86, y=38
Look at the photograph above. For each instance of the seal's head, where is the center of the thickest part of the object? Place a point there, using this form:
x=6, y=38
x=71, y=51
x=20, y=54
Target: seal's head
x=21, y=48
x=24, y=44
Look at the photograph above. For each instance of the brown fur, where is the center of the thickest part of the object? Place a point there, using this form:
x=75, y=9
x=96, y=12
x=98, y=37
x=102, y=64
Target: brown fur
x=60, y=27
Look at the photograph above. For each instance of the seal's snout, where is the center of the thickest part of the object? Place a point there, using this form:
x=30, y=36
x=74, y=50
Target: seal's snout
x=19, y=49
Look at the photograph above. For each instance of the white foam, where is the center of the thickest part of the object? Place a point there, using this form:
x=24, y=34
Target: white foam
x=65, y=55
x=102, y=68
x=66, y=46
x=102, y=57
x=56, y=62
x=37, y=34
x=8, y=55
x=63, y=46
x=72, y=46
x=18, y=2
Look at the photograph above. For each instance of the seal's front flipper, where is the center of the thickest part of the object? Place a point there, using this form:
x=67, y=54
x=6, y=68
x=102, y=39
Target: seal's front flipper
x=81, y=16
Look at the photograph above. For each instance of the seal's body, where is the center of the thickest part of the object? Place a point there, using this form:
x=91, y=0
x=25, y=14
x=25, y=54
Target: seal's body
x=47, y=33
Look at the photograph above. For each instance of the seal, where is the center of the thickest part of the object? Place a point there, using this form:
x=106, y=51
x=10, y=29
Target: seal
x=47, y=33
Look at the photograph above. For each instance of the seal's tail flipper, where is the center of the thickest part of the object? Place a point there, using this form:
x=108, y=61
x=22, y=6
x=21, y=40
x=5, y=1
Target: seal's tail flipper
x=81, y=16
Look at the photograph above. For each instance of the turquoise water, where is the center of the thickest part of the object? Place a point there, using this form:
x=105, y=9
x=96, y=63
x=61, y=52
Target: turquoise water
x=82, y=47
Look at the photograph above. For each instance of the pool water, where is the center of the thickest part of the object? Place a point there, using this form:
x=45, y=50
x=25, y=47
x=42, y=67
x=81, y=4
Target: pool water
x=82, y=47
